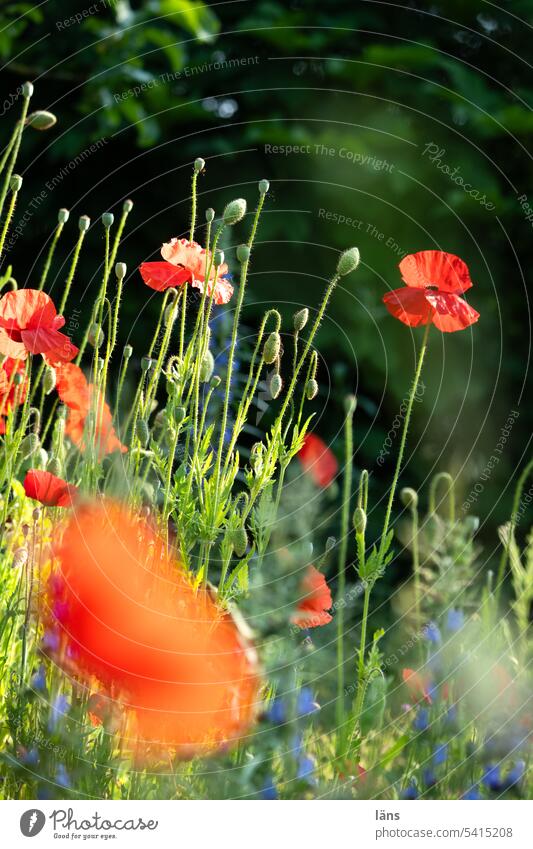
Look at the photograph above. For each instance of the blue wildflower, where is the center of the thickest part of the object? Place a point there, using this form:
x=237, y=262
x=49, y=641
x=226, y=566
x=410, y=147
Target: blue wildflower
x=421, y=721
x=306, y=768
x=60, y=707
x=515, y=775
x=306, y=703
x=440, y=754
x=455, y=620
x=30, y=757
x=50, y=641
x=62, y=777
x=38, y=681
x=432, y=633
x=430, y=779
x=276, y=712
x=491, y=777
x=269, y=790
x=472, y=794
x=410, y=791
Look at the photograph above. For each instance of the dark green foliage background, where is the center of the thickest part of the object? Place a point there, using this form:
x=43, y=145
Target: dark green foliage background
x=381, y=79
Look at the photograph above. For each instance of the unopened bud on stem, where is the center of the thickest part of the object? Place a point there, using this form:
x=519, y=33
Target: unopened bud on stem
x=348, y=261
x=234, y=211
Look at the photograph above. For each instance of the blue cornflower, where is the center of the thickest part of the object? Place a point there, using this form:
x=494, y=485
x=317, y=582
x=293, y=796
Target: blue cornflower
x=432, y=633
x=30, y=757
x=491, y=777
x=306, y=769
x=515, y=774
x=306, y=703
x=430, y=779
x=440, y=754
x=62, y=777
x=38, y=681
x=269, y=790
x=410, y=791
x=276, y=712
x=473, y=794
x=421, y=721
x=455, y=620
x=60, y=707
x=50, y=640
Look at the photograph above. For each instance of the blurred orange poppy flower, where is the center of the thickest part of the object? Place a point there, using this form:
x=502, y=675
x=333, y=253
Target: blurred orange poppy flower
x=11, y=393
x=318, y=460
x=416, y=685
x=313, y=607
x=186, y=262
x=29, y=324
x=80, y=397
x=127, y=615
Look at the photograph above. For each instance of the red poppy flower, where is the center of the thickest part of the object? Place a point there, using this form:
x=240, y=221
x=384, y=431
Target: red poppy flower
x=126, y=614
x=317, y=460
x=29, y=323
x=80, y=397
x=416, y=685
x=11, y=394
x=49, y=489
x=313, y=607
x=186, y=262
x=435, y=280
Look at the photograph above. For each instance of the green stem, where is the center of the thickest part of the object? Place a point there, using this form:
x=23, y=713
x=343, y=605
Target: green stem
x=19, y=129
x=343, y=550
x=403, y=440
x=7, y=222
x=46, y=269
x=516, y=503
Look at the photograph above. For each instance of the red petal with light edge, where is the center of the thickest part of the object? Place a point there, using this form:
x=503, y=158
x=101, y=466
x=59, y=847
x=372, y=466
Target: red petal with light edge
x=435, y=268
x=411, y=306
x=451, y=312
x=163, y=275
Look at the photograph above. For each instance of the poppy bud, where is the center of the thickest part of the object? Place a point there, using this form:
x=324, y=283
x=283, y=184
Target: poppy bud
x=18, y=378
x=359, y=520
x=216, y=380
x=127, y=352
x=54, y=466
x=234, y=211
x=120, y=270
x=146, y=364
x=239, y=541
x=170, y=315
x=331, y=542
x=95, y=336
x=209, y=214
x=36, y=514
x=207, y=367
x=29, y=445
x=179, y=414
x=243, y=253
x=272, y=348
x=107, y=220
x=42, y=458
x=350, y=404
x=143, y=432
x=49, y=380
x=264, y=186
x=170, y=436
x=41, y=120
x=276, y=384
x=219, y=258
x=84, y=223
x=409, y=497
x=127, y=206
x=15, y=183
x=300, y=319
x=62, y=215
x=348, y=261
x=20, y=557
x=311, y=389
x=199, y=165
x=27, y=89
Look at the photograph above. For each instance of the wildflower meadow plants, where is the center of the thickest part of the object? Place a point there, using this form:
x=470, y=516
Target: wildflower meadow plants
x=162, y=619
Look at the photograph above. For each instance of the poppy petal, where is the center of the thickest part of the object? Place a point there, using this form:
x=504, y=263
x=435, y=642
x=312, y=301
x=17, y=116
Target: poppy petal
x=26, y=308
x=312, y=609
x=54, y=345
x=163, y=275
x=10, y=348
x=410, y=306
x=451, y=312
x=317, y=460
x=50, y=490
x=435, y=268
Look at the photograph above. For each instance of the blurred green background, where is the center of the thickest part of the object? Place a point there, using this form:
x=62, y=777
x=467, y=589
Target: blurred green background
x=411, y=120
